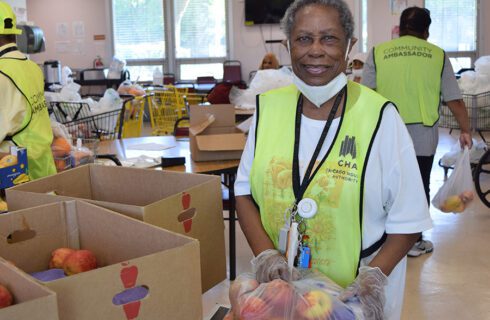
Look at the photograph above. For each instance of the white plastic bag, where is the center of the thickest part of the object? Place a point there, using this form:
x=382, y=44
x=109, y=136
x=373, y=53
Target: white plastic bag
x=457, y=193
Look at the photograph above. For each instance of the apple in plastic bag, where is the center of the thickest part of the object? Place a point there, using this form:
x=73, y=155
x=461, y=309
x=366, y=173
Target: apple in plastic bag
x=315, y=305
x=453, y=203
x=254, y=308
x=278, y=294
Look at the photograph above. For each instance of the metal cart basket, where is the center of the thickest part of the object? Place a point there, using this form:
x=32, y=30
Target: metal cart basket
x=478, y=107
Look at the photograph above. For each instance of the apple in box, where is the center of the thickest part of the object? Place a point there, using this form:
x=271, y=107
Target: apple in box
x=5, y=297
x=58, y=257
x=79, y=261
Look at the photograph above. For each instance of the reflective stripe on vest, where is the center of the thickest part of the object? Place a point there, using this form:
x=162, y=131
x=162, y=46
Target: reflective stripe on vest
x=335, y=231
x=36, y=134
x=415, y=61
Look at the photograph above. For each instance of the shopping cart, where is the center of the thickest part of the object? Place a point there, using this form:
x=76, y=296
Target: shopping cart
x=132, y=117
x=166, y=107
x=478, y=106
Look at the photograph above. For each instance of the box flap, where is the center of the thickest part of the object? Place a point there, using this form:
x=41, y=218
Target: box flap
x=200, y=127
x=224, y=115
x=221, y=142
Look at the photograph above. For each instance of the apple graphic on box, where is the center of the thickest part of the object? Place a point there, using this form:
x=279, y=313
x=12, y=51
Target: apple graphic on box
x=128, y=276
x=58, y=256
x=186, y=200
x=79, y=261
x=5, y=297
x=316, y=305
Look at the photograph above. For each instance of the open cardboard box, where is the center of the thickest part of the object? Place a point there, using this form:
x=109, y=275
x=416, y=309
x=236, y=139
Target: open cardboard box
x=164, y=262
x=213, y=133
x=32, y=300
x=188, y=204
x=15, y=174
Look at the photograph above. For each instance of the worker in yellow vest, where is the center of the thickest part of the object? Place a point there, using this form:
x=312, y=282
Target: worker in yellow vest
x=24, y=119
x=329, y=163
x=414, y=74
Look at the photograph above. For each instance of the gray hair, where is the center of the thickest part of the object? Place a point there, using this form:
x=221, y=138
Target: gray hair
x=345, y=15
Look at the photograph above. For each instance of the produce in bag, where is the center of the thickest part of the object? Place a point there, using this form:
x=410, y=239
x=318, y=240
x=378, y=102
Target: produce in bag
x=457, y=193
x=314, y=297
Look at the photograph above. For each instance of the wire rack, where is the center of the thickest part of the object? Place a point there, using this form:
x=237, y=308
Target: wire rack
x=478, y=107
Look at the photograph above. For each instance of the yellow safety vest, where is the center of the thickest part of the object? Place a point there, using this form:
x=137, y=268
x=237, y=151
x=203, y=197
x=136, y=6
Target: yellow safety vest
x=408, y=72
x=335, y=231
x=36, y=134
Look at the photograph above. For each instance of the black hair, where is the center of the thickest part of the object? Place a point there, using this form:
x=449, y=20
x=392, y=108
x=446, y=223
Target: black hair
x=415, y=19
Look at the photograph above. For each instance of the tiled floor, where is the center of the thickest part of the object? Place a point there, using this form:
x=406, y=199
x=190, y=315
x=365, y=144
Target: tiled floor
x=450, y=283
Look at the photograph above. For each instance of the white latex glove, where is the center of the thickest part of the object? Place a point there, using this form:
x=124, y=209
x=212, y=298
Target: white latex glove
x=368, y=287
x=271, y=264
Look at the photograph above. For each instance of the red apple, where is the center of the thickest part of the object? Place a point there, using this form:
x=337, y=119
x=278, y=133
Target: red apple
x=128, y=276
x=241, y=286
x=278, y=294
x=5, y=297
x=253, y=308
x=58, y=256
x=315, y=305
x=186, y=200
x=79, y=261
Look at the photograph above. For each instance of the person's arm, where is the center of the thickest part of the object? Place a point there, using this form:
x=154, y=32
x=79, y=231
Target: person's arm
x=249, y=219
x=12, y=108
x=460, y=112
x=369, y=72
x=393, y=250
x=452, y=95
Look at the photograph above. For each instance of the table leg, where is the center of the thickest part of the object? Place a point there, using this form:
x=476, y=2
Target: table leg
x=231, y=226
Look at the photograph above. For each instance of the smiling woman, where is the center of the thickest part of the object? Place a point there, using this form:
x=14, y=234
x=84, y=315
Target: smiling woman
x=336, y=174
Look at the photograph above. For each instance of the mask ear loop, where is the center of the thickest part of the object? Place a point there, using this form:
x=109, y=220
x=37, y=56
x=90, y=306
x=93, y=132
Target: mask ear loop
x=288, y=47
x=347, y=51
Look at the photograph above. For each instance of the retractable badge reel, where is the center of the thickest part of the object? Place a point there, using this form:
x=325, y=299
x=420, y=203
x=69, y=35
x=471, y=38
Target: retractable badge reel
x=307, y=208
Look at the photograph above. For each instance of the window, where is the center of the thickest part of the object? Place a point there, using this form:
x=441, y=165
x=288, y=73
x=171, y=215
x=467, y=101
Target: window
x=454, y=28
x=193, y=44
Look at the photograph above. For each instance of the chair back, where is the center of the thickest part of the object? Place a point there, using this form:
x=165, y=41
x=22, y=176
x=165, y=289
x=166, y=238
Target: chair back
x=232, y=71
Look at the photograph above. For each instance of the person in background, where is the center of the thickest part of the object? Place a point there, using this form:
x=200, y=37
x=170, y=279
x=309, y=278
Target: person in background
x=24, y=119
x=346, y=152
x=357, y=66
x=269, y=62
x=414, y=73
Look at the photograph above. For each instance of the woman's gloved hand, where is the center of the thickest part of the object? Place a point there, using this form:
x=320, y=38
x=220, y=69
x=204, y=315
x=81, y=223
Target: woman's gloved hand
x=368, y=287
x=271, y=264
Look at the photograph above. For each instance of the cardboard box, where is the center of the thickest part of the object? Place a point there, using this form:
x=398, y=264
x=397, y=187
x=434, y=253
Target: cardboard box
x=32, y=300
x=18, y=173
x=161, y=198
x=213, y=133
x=165, y=263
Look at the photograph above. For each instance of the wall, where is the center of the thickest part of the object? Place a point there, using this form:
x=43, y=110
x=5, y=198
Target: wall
x=246, y=43
x=69, y=29
x=19, y=7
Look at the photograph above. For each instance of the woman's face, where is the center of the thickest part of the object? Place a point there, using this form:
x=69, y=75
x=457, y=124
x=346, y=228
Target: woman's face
x=318, y=45
x=267, y=63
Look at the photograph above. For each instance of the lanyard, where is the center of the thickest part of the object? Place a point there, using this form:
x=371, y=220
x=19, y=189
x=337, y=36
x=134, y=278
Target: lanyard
x=3, y=52
x=299, y=189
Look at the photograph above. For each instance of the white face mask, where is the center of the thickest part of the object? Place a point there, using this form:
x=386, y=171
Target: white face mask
x=357, y=72
x=318, y=95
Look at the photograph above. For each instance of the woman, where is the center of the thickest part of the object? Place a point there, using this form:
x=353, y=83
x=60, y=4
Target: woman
x=269, y=62
x=363, y=180
x=357, y=66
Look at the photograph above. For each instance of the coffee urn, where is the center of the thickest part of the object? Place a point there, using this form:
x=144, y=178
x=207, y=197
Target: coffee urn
x=52, y=73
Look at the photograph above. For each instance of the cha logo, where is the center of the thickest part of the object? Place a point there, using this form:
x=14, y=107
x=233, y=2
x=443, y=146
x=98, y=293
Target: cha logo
x=347, y=147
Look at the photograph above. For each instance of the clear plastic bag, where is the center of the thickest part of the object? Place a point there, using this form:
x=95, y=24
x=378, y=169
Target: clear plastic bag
x=457, y=193
x=314, y=297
